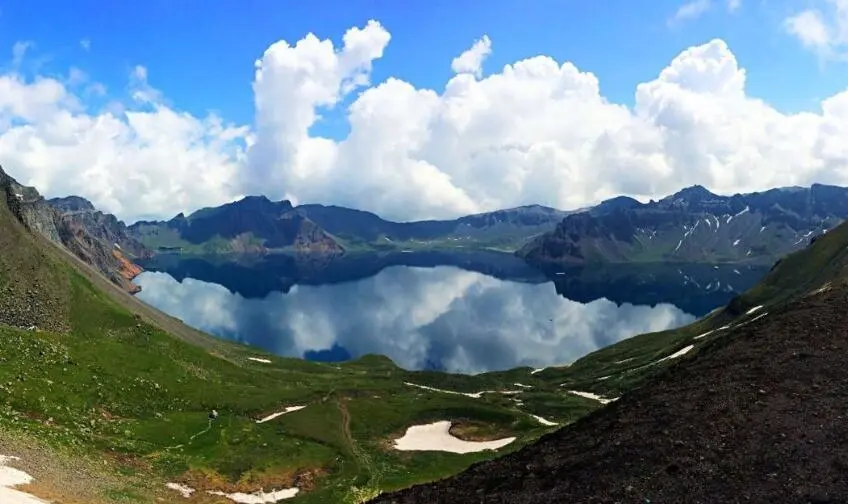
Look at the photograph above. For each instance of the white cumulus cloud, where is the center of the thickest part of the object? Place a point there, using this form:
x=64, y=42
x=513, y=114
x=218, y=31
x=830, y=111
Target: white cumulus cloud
x=471, y=61
x=537, y=130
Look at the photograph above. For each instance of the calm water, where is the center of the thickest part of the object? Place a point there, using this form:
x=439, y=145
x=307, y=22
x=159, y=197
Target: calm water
x=458, y=312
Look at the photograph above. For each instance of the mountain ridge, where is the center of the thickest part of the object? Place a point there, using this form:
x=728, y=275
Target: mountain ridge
x=334, y=229
x=693, y=225
x=71, y=229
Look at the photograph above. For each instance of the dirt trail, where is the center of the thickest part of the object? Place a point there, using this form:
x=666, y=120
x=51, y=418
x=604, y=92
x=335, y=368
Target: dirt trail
x=367, y=466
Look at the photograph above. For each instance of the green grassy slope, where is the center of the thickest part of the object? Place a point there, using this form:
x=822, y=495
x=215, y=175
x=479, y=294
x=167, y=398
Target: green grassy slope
x=105, y=378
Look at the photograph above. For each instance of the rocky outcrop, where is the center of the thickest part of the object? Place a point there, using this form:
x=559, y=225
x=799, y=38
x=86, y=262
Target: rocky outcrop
x=87, y=233
x=694, y=225
x=79, y=212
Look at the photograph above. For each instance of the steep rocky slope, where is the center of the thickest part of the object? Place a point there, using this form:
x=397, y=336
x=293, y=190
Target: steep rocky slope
x=92, y=236
x=752, y=410
x=89, y=233
x=694, y=225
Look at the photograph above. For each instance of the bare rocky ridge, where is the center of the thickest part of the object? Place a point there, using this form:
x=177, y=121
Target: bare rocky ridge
x=757, y=416
x=693, y=225
x=98, y=239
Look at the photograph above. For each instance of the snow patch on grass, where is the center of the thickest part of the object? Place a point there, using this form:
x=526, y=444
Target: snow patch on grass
x=437, y=437
x=544, y=421
x=183, y=490
x=703, y=335
x=272, y=416
x=473, y=395
x=589, y=395
x=680, y=353
x=258, y=359
x=258, y=497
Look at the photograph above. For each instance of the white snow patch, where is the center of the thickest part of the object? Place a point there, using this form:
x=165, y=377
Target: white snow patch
x=537, y=370
x=589, y=395
x=709, y=224
x=736, y=242
x=259, y=359
x=183, y=490
x=11, y=477
x=544, y=421
x=803, y=237
x=737, y=272
x=761, y=315
x=722, y=328
x=522, y=385
x=473, y=395
x=259, y=497
x=680, y=353
x=762, y=229
x=737, y=215
x=703, y=335
x=272, y=416
x=625, y=360
x=602, y=378
x=678, y=245
x=437, y=437
x=752, y=310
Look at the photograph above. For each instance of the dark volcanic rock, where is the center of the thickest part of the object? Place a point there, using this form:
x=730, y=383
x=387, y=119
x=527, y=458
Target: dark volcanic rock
x=759, y=416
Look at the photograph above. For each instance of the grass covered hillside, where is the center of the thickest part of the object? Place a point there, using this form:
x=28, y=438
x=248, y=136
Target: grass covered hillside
x=107, y=400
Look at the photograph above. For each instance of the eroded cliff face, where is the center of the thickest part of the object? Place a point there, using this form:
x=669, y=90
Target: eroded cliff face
x=90, y=235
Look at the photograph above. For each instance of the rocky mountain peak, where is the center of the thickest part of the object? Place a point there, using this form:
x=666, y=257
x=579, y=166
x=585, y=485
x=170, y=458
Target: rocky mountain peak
x=71, y=204
x=693, y=194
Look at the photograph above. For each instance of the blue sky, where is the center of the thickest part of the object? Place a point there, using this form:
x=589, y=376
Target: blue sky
x=200, y=54
x=426, y=138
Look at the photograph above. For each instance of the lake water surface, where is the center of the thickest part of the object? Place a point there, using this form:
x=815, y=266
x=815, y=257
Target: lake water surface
x=470, y=312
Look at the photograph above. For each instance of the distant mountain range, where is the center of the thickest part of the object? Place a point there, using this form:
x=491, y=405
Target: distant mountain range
x=256, y=224
x=693, y=225
x=690, y=226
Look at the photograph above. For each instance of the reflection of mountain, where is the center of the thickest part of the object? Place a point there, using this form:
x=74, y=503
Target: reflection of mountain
x=257, y=276
x=694, y=288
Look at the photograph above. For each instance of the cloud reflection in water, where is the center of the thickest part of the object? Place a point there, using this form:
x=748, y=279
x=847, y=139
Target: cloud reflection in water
x=442, y=318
